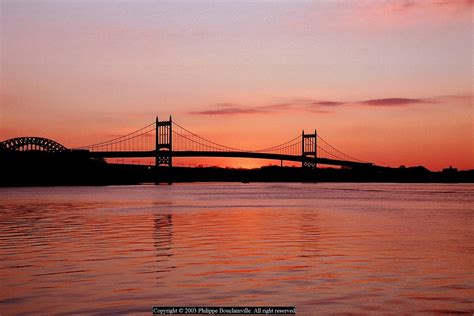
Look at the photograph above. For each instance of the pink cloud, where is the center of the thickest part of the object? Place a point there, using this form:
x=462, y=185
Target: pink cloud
x=321, y=106
x=393, y=102
x=377, y=16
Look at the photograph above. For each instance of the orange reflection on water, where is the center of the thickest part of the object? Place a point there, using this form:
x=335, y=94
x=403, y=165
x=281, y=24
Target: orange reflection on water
x=326, y=248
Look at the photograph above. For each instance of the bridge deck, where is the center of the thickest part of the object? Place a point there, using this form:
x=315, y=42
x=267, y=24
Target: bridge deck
x=230, y=154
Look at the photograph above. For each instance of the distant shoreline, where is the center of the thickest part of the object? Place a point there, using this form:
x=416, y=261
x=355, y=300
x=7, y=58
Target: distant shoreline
x=35, y=169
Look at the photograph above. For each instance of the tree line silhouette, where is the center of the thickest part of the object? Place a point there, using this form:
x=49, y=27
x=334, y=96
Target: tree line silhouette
x=39, y=168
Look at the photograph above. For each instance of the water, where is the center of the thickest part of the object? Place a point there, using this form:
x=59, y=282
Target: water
x=324, y=248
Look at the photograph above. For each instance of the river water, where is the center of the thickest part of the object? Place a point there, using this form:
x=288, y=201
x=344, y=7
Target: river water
x=324, y=248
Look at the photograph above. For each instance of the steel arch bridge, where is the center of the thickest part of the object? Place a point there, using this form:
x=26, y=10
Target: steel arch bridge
x=32, y=144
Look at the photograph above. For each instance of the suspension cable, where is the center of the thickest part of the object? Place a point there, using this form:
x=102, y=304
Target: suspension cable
x=337, y=150
x=117, y=138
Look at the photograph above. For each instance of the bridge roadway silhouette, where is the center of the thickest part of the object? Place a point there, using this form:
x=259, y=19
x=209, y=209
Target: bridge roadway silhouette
x=233, y=154
x=165, y=140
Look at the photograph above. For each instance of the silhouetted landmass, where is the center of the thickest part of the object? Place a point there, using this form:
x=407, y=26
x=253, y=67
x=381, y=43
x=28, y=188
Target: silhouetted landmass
x=77, y=168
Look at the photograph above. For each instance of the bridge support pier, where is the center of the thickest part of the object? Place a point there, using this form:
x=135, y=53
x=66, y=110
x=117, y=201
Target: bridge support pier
x=163, y=150
x=309, y=152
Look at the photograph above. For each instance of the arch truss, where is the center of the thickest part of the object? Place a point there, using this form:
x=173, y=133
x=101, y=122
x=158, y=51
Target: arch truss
x=32, y=144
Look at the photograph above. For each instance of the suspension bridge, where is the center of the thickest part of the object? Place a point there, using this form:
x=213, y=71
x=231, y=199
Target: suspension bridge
x=165, y=140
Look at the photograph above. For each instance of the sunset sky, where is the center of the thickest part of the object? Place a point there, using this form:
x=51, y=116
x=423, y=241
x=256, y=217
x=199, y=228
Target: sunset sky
x=389, y=82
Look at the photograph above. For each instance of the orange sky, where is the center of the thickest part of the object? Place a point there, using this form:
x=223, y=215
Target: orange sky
x=385, y=81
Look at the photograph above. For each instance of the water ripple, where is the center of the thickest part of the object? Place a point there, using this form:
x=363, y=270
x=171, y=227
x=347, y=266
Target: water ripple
x=325, y=248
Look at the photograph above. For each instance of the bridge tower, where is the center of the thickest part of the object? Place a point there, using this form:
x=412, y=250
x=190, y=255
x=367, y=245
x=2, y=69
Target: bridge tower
x=163, y=144
x=309, y=151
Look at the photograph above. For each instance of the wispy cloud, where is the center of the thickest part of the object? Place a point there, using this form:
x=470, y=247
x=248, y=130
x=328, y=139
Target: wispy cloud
x=327, y=103
x=385, y=16
x=323, y=106
x=237, y=109
x=394, y=102
x=455, y=3
x=403, y=6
